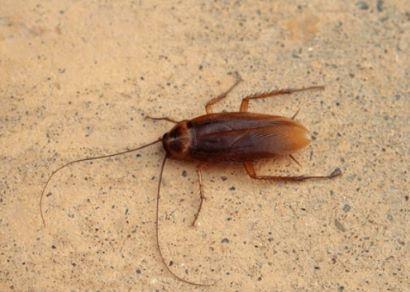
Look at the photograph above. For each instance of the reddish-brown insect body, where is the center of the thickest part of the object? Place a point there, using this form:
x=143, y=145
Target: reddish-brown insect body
x=241, y=137
x=235, y=136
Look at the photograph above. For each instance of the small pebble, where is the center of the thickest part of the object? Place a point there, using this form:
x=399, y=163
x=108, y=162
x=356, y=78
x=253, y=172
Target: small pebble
x=339, y=225
x=362, y=5
x=346, y=208
x=380, y=5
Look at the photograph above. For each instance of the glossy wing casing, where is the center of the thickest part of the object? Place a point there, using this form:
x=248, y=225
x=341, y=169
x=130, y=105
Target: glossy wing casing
x=243, y=136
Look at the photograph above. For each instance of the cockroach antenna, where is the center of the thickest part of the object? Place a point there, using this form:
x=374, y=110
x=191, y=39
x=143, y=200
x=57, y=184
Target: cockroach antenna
x=82, y=160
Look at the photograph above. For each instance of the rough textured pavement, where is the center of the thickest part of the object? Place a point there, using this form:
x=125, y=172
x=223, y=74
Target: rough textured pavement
x=77, y=78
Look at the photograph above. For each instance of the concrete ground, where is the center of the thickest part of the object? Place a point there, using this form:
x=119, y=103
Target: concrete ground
x=77, y=79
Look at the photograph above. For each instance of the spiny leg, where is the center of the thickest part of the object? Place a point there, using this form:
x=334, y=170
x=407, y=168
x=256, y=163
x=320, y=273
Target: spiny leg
x=162, y=119
x=201, y=194
x=210, y=103
x=250, y=169
x=245, y=100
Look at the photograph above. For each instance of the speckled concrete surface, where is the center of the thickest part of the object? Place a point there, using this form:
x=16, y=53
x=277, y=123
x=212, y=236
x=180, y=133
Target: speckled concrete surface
x=77, y=78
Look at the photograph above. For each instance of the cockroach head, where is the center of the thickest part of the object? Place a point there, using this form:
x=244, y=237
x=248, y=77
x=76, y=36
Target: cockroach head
x=176, y=142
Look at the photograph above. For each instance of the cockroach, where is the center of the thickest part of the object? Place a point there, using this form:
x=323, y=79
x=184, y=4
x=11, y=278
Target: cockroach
x=242, y=137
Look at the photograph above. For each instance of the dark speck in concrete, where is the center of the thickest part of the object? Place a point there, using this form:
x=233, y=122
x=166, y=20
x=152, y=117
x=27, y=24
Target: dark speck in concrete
x=346, y=208
x=380, y=5
x=362, y=5
x=339, y=225
x=225, y=240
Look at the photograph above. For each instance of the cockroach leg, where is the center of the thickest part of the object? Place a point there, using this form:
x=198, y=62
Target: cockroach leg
x=245, y=100
x=294, y=159
x=250, y=169
x=201, y=193
x=162, y=119
x=210, y=103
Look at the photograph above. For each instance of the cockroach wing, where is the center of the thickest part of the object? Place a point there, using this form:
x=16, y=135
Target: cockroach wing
x=280, y=139
x=249, y=137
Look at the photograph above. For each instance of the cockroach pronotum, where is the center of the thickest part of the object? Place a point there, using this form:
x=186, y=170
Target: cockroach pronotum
x=241, y=137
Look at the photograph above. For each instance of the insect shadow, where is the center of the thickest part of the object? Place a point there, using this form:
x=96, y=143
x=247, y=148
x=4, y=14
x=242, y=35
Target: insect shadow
x=242, y=137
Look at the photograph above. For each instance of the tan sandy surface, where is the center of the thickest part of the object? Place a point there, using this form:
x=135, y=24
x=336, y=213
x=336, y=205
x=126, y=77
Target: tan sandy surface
x=77, y=78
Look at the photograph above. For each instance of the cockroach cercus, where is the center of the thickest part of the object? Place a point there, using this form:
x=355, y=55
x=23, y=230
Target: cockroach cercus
x=242, y=137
